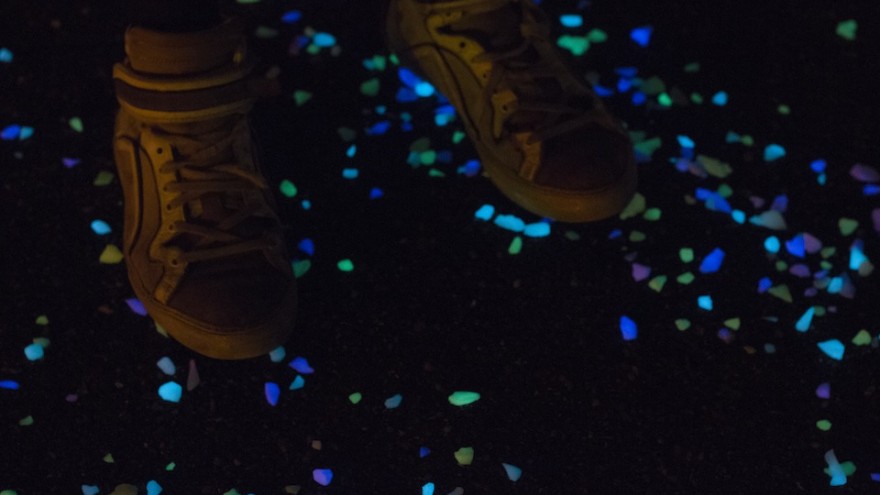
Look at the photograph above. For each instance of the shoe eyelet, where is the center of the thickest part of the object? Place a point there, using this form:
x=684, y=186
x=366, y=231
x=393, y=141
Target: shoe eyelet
x=174, y=262
x=159, y=151
x=168, y=207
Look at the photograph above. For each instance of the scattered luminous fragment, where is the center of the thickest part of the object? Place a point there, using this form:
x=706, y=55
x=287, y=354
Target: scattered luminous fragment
x=640, y=272
x=288, y=189
x=642, y=35
x=773, y=152
x=571, y=20
x=76, y=124
x=686, y=254
x=463, y=398
x=10, y=132
x=301, y=365
x=394, y=401
x=111, y=255
x=847, y=225
x=823, y=391
x=153, y=488
x=272, y=391
x=847, y=29
x=635, y=207
x=301, y=96
x=192, y=376
x=33, y=352
x=485, y=212
x=355, y=397
x=712, y=262
x=770, y=219
x=297, y=383
x=803, y=323
x=733, y=323
x=100, y=227
x=166, y=365
x=705, y=302
x=864, y=173
x=510, y=222
x=345, y=265
x=658, y=282
x=720, y=98
x=109, y=459
x=653, y=214
x=376, y=193
x=862, y=338
x=577, y=45
x=833, y=348
x=857, y=255
x=782, y=292
x=136, y=306
x=424, y=452
x=9, y=384
x=537, y=229
x=772, y=244
x=685, y=278
x=103, y=178
x=370, y=87
x=428, y=489
x=796, y=246
x=26, y=421
x=838, y=477
x=5, y=55
x=291, y=16
x=350, y=173
x=823, y=424
x=597, y=35
x=300, y=267
x=464, y=456
x=170, y=391
x=513, y=473
x=90, y=490
x=324, y=40
x=628, y=328
x=277, y=354
x=515, y=246
x=322, y=477
x=685, y=141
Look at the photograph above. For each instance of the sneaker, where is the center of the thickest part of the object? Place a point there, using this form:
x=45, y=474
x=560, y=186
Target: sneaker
x=543, y=137
x=202, y=241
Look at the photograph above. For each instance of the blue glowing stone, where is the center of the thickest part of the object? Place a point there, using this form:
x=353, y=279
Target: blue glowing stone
x=720, y=98
x=772, y=244
x=167, y=366
x=857, y=255
x=301, y=365
x=408, y=77
x=818, y=166
x=712, y=262
x=322, y=477
x=10, y=132
x=628, y=328
x=485, y=212
x=428, y=489
x=376, y=193
x=393, y=402
x=297, y=383
x=33, y=352
x=537, y=229
x=9, y=385
x=510, y=222
x=773, y=152
x=90, y=489
x=424, y=452
x=153, y=488
x=424, y=89
x=379, y=128
x=277, y=354
x=513, y=473
x=685, y=141
x=307, y=246
x=796, y=246
x=571, y=20
x=833, y=348
x=136, y=306
x=5, y=55
x=324, y=40
x=291, y=16
x=642, y=35
x=272, y=391
x=350, y=173
x=100, y=227
x=170, y=391
x=803, y=323
x=705, y=302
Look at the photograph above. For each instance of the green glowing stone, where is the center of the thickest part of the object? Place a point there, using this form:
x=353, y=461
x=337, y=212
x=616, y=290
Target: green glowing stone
x=300, y=267
x=596, y=35
x=692, y=67
x=347, y=134
x=682, y=324
x=515, y=245
x=653, y=86
x=111, y=255
x=393, y=58
x=696, y=98
x=577, y=45
x=109, y=459
x=637, y=236
x=664, y=100
x=716, y=168
x=265, y=32
x=301, y=96
x=847, y=226
x=379, y=62
x=781, y=266
x=782, y=292
x=288, y=189
x=653, y=214
x=170, y=466
x=725, y=191
x=76, y=124
x=862, y=338
x=686, y=254
x=370, y=87
x=649, y=146
x=685, y=278
x=828, y=252
x=345, y=265
x=461, y=398
x=784, y=109
x=42, y=320
x=747, y=140
x=421, y=144
x=8, y=492
x=313, y=49
x=635, y=207
x=355, y=397
x=823, y=424
x=847, y=29
x=464, y=456
x=657, y=283
x=428, y=157
x=458, y=136
x=733, y=323
x=103, y=178
x=572, y=235
x=26, y=421
x=435, y=173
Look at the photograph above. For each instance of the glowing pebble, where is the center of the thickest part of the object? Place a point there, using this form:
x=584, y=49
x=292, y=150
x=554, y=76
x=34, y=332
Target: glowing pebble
x=712, y=262
x=847, y=226
x=628, y=328
x=635, y=207
x=111, y=255
x=686, y=255
x=192, y=376
x=301, y=365
x=463, y=398
x=640, y=272
x=733, y=323
x=772, y=244
x=33, y=352
x=103, y=178
x=577, y=45
x=823, y=391
x=277, y=354
x=864, y=173
x=428, y=489
x=324, y=40
x=515, y=246
x=537, y=229
x=5, y=55
x=394, y=401
x=10, y=132
x=803, y=323
x=782, y=292
x=424, y=452
x=370, y=87
x=297, y=383
x=685, y=141
x=76, y=124
x=464, y=456
x=823, y=424
x=136, y=306
x=485, y=212
x=838, y=477
x=291, y=16
x=705, y=302
x=653, y=214
x=345, y=265
x=355, y=397
x=272, y=392
x=9, y=384
x=847, y=29
x=657, y=283
x=773, y=152
x=42, y=320
x=571, y=20
x=301, y=96
x=288, y=189
x=170, y=391
x=720, y=98
x=153, y=488
x=685, y=278
x=300, y=267
x=424, y=89
x=513, y=473
x=100, y=227
x=26, y=421
x=510, y=222
x=166, y=365
x=770, y=219
x=833, y=348
x=350, y=173
x=322, y=477
x=90, y=490
x=642, y=35
x=862, y=338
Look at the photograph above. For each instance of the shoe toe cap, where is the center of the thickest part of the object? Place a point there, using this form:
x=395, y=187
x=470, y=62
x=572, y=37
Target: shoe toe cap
x=591, y=159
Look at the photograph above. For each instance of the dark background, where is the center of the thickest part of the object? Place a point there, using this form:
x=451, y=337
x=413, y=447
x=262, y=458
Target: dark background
x=435, y=303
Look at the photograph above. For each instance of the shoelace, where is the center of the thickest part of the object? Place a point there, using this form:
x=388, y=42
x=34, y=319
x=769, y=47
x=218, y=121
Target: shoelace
x=522, y=75
x=200, y=175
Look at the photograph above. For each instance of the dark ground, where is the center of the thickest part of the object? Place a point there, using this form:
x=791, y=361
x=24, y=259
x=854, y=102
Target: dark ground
x=436, y=303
